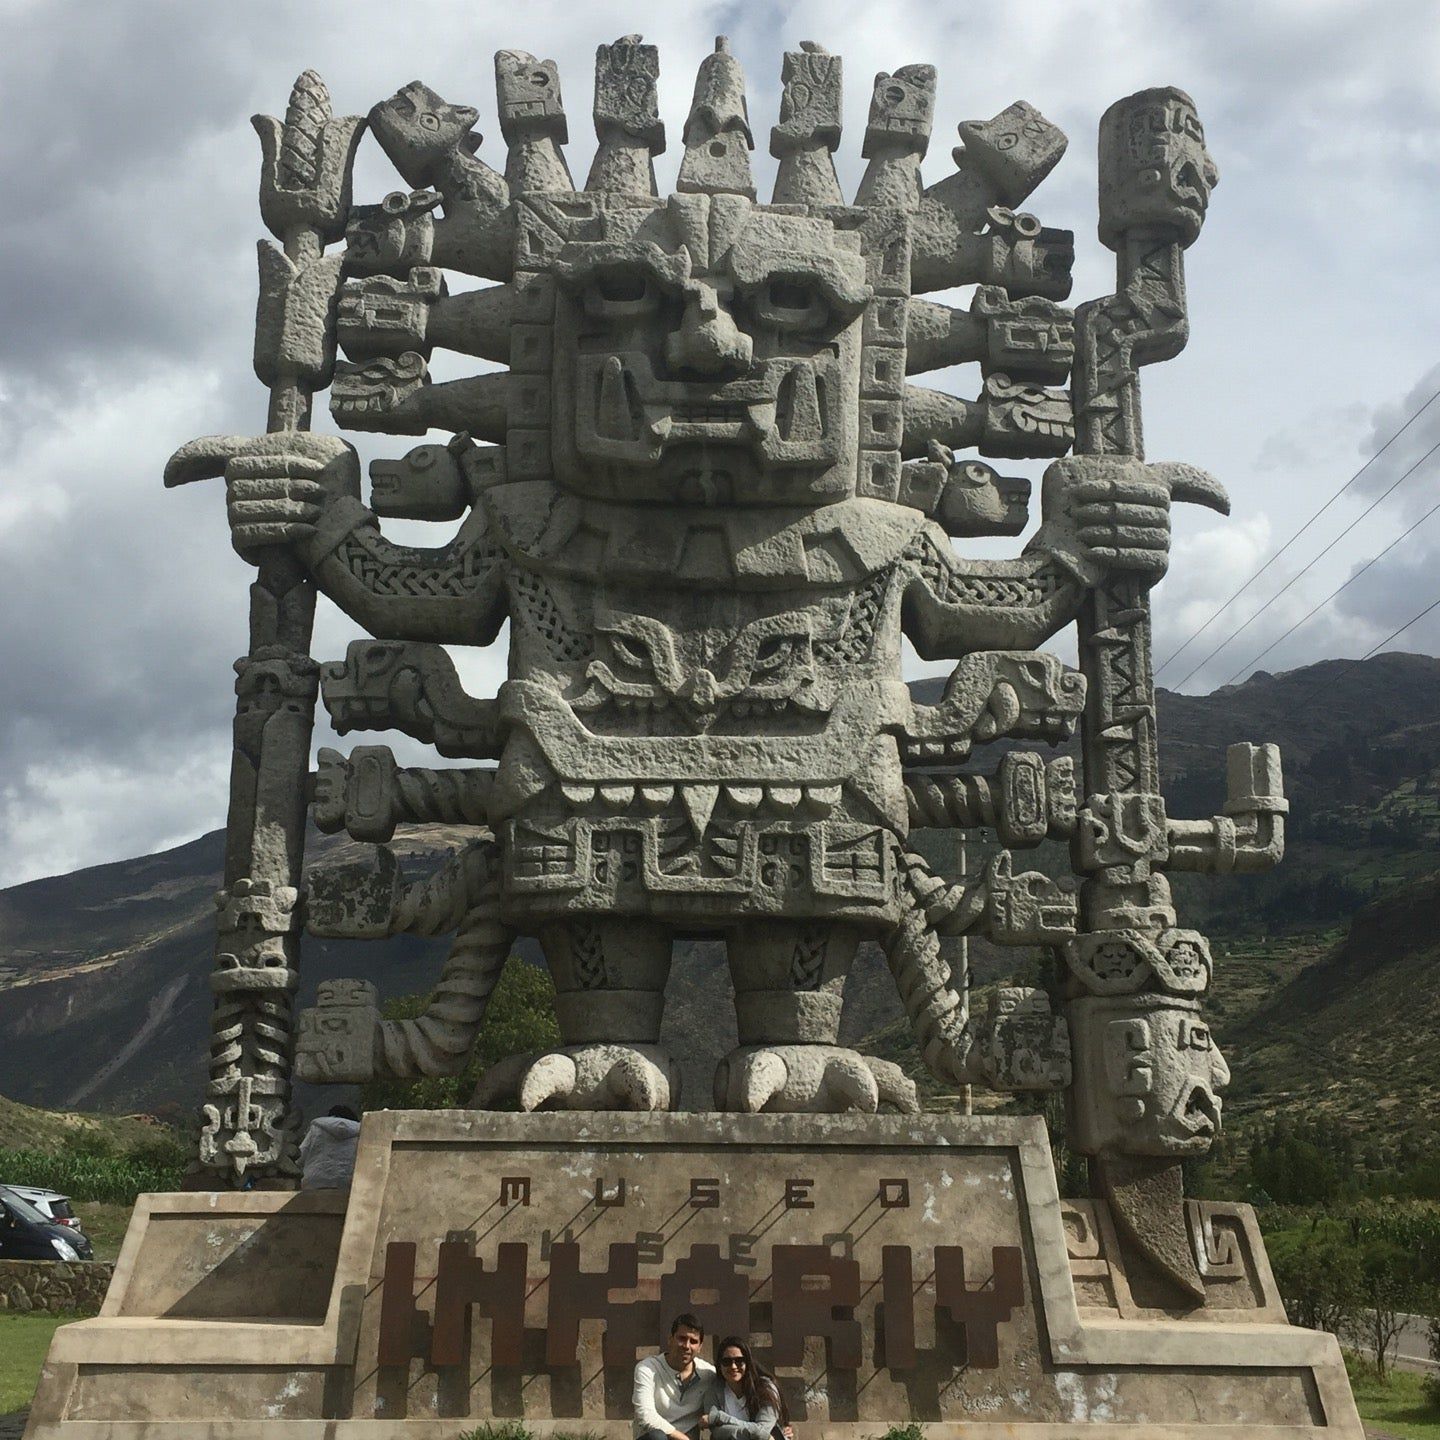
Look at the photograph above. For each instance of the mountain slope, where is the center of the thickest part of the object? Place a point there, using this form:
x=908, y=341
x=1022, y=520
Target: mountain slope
x=1354, y=1036
x=105, y=1001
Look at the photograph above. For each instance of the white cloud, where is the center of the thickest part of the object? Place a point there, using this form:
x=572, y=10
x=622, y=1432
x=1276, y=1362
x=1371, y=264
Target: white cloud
x=128, y=295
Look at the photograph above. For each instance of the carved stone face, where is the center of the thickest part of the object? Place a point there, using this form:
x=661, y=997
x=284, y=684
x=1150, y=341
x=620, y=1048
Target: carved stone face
x=708, y=352
x=1162, y=1071
x=1154, y=167
x=770, y=673
x=417, y=128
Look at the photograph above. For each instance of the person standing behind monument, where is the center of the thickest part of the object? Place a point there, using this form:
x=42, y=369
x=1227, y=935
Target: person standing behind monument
x=747, y=1404
x=671, y=1389
x=327, y=1153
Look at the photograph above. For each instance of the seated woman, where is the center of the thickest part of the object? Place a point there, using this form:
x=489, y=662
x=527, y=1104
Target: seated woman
x=747, y=1404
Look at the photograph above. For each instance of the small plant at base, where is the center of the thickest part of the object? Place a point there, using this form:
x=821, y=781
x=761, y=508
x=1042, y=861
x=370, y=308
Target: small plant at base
x=515, y=1430
x=912, y=1431
x=1430, y=1389
x=501, y=1430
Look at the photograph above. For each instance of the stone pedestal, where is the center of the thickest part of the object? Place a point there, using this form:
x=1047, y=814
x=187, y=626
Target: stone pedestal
x=494, y=1267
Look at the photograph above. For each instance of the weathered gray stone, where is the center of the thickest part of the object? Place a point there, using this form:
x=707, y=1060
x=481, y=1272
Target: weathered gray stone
x=890, y=1269
x=712, y=509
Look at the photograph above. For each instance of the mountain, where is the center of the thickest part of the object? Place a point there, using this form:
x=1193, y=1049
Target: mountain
x=1349, y=1037
x=25, y=1127
x=105, y=1002
x=104, y=975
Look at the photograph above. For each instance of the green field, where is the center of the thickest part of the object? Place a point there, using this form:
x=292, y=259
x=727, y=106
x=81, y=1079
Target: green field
x=24, y=1339
x=1397, y=1407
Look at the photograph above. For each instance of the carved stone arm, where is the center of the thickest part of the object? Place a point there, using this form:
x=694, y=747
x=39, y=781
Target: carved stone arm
x=955, y=606
x=1249, y=837
x=367, y=794
x=455, y=593
x=1032, y=337
x=1025, y=801
x=1011, y=417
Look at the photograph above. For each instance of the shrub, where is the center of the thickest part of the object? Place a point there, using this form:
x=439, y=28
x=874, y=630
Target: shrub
x=89, y=1173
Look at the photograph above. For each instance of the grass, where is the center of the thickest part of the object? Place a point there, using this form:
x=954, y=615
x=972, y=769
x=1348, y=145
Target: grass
x=23, y=1127
x=105, y=1224
x=1398, y=1407
x=24, y=1340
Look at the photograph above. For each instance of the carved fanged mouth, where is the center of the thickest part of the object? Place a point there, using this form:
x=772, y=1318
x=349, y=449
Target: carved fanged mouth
x=780, y=411
x=1201, y=1113
x=1032, y=423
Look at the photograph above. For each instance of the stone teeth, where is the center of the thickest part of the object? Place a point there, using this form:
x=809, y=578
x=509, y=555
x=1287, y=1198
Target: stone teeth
x=616, y=797
x=821, y=799
x=783, y=797
x=577, y=794
x=699, y=802
x=744, y=798
x=656, y=797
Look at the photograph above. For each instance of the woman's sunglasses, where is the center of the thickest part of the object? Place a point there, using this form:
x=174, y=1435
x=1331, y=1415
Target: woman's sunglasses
x=727, y=1361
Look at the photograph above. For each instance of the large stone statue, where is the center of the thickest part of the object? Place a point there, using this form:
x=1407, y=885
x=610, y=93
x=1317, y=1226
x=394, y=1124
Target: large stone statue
x=710, y=506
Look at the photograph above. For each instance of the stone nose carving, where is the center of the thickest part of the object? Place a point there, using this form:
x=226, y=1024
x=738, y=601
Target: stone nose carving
x=708, y=341
x=703, y=691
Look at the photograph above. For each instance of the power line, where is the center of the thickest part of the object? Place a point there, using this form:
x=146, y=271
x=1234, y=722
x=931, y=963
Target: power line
x=1299, y=574
x=1195, y=635
x=1315, y=609
x=1414, y=620
x=1350, y=664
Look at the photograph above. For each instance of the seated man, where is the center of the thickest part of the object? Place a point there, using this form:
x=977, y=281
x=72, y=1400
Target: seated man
x=673, y=1389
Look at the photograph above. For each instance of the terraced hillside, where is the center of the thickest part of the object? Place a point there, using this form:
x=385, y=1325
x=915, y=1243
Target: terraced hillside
x=104, y=998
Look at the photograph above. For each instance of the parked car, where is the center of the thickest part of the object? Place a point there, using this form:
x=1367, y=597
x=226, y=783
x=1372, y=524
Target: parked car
x=27, y=1234
x=50, y=1203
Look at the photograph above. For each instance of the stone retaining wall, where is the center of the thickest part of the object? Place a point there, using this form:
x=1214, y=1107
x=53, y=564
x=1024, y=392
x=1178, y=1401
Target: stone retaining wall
x=53, y=1285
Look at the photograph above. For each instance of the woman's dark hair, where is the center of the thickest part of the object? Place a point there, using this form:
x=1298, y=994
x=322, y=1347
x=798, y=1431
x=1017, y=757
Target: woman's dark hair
x=757, y=1389
x=341, y=1112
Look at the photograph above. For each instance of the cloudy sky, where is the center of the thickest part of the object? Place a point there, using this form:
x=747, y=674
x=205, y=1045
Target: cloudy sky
x=128, y=299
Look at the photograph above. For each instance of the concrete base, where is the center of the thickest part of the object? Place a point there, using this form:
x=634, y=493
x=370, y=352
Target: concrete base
x=513, y=1267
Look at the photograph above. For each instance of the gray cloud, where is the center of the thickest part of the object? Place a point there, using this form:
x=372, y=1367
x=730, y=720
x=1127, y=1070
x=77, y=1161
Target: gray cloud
x=126, y=307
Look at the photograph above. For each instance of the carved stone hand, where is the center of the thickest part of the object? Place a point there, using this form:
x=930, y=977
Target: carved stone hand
x=1111, y=512
x=276, y=486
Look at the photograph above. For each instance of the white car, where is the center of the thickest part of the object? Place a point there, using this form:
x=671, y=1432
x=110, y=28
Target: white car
x=51, y=1204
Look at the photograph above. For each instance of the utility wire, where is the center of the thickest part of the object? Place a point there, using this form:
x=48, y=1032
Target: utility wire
x=1195, y=635
x=1235, y=635
x=1315, y=609
x=1414, y=620
x=1329, y=679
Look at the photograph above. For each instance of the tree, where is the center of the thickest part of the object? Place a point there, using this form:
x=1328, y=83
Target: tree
x=1387, y=1283
x=1319, y=1279
x=520, y=1017
x=1292, y=1169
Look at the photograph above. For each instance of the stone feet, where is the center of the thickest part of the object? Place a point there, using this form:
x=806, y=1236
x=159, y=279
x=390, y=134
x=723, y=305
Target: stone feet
x=810, y=1079
x=586, y=1077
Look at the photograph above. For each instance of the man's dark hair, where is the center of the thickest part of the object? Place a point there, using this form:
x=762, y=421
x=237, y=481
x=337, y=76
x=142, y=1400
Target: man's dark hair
x=687, y=1321
x=342, y=1112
